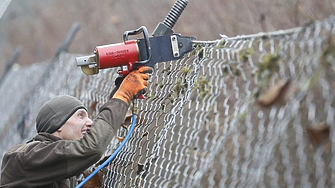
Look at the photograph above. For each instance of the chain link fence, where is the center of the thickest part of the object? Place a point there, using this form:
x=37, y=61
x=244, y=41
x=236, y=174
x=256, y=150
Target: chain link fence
x=247, y=111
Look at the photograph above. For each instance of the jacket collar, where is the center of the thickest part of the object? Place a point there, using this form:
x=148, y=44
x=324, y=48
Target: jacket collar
x=42, y=137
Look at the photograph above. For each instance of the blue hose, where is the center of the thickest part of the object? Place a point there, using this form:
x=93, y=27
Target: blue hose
x=113, y=155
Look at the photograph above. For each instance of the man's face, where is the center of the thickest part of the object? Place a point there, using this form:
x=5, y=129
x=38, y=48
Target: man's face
x=76, y=126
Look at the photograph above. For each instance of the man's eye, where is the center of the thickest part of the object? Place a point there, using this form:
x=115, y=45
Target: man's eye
x=80, y=115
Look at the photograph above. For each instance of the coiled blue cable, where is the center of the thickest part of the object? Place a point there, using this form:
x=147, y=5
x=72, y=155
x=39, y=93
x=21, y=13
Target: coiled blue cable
x=113, y=155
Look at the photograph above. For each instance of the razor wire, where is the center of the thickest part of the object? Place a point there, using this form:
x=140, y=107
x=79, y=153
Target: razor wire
x=246, y=111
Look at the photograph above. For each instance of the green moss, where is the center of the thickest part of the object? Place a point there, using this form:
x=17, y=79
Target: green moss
x=203, y=86
x=220, y=44
x=235, y=70
x=140, y=168
x=328, y=53
x=232, y=68
x=226, y=70
x=201, y=53
x=314, y=80
x=166, y=70
x=198, y=51
x=147, y=95
x=245, y=55
x=326, y=58
x=171, y=98
x=180, y=87
x=185, y=70
x=163, y=107
x=258, y=92
x=268, y=66
x=241, y=116
x=265, y=37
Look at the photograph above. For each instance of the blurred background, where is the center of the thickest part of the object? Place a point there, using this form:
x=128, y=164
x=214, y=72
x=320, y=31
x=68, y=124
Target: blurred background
x=40, y=26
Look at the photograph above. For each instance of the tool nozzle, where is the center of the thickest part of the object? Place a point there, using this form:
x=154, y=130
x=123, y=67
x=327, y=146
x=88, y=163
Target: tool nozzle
x=88, y=64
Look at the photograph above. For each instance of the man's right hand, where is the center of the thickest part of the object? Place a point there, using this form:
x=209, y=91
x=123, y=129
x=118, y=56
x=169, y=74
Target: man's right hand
x=134, y=84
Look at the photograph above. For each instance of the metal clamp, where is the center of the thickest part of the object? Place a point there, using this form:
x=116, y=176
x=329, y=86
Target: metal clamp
x=175, y=47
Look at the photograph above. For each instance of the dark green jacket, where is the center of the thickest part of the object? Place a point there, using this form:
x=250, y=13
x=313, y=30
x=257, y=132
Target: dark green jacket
x=48, y=161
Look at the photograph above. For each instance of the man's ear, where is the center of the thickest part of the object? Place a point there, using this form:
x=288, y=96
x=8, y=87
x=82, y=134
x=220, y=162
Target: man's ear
x=58, y=133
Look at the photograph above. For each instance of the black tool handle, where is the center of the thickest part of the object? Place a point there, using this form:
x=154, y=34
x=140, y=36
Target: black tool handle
x=143, y=30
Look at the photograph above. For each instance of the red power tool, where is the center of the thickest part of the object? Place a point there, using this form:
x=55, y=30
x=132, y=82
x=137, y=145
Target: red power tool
x=164, y=45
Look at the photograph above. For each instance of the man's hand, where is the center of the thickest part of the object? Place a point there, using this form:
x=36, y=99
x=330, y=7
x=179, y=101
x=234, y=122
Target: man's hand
x=134, y=84
x=118, y=82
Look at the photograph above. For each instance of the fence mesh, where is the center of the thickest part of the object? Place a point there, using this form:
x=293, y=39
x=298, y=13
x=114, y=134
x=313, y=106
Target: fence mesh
x=247, y=111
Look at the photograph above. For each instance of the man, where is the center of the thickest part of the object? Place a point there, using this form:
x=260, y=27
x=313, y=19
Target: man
x=68, y=141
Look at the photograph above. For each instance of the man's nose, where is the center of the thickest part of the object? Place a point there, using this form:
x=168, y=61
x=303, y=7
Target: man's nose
x=89, y=122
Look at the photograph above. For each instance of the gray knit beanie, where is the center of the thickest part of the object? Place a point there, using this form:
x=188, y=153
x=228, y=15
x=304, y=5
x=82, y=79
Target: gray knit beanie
x=54, y=113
